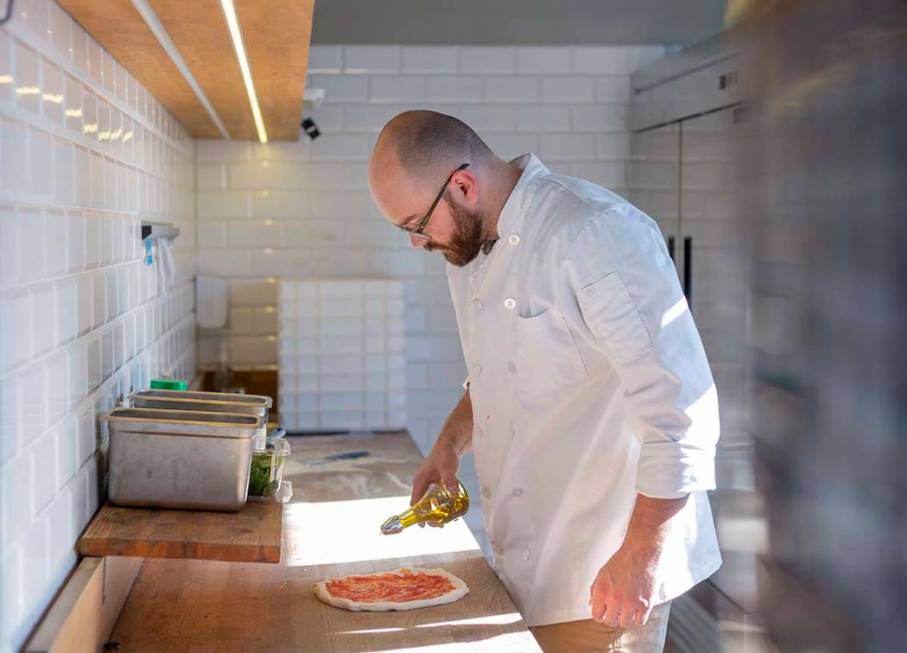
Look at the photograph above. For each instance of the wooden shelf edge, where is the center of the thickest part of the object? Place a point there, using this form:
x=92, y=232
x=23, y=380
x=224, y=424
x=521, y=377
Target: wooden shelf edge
x=253, y=535
x=90, y=546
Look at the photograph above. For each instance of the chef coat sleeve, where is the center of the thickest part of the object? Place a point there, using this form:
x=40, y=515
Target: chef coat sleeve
x=630, y=305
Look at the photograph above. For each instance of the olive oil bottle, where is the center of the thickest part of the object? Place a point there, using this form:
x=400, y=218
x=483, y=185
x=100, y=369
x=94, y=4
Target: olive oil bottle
x=438, y=504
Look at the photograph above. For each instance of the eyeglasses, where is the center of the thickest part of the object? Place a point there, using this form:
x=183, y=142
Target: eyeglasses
x=419, y=229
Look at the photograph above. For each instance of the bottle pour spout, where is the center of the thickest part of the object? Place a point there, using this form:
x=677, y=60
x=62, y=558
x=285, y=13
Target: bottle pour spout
x=391, y=526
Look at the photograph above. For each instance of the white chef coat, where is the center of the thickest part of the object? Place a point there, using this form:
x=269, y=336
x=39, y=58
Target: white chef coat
x=589, y=384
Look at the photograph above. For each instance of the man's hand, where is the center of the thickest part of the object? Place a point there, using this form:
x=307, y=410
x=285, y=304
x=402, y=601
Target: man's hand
x=440, y=467
x=624, y=588
x=443, y=460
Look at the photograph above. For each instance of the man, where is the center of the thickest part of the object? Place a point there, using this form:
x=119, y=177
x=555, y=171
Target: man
x=589, y=402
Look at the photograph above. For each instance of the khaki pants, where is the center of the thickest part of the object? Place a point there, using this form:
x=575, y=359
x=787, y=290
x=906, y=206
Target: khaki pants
x=589, y=636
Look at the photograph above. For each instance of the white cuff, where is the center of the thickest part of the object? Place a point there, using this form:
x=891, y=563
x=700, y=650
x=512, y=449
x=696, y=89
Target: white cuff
x=669, y=470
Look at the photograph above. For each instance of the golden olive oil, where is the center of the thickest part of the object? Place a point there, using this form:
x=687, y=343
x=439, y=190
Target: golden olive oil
x=438, y=505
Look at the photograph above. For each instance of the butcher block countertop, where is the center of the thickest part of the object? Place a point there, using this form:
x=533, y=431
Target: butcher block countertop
x=250, y=535
x=330, y=528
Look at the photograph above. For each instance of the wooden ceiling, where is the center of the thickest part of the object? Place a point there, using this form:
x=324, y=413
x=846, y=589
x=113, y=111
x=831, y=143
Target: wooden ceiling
x=276, y=34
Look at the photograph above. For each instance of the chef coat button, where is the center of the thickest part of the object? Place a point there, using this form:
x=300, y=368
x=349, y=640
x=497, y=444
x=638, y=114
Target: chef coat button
x=479, y=432
x=476, y=371
x=514, y=239
x=589, y=292
x=517, y=491
x=486, y=493
x=511, y=367
x=510, y=303
x=476, y=305
x=527, y=554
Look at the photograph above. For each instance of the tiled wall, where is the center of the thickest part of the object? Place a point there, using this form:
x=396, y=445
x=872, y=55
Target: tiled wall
x=342, y=361
x=86, y=155
x=303, y=209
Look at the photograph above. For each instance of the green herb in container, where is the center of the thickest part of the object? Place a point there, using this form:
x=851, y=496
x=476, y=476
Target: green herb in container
x=266, y=472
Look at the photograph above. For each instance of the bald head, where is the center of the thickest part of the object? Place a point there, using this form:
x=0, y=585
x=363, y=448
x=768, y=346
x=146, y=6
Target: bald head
x=426, y=146
x=415, y=153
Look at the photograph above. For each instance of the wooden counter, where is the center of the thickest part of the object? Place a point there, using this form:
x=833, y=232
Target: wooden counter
x=250, y=535
x=331, y=528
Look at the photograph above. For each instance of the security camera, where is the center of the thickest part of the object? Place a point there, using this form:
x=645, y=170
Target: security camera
x=310, y=128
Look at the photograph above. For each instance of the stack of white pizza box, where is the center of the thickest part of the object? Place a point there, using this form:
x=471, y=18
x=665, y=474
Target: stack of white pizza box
x=342, y=355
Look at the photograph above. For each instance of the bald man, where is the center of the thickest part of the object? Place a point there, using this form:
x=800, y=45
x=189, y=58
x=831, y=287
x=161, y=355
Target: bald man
x=589, y=402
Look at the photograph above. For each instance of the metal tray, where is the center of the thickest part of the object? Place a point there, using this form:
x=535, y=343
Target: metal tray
x=180, y=458
x=215, y=402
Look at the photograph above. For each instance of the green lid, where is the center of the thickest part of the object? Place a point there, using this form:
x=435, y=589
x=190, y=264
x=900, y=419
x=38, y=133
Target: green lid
x=169, y=384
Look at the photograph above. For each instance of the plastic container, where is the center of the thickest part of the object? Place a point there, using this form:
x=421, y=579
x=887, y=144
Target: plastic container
x=169, y=384
x=266, y=472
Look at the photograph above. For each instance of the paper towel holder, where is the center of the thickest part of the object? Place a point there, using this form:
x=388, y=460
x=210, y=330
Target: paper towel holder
x=157, y=230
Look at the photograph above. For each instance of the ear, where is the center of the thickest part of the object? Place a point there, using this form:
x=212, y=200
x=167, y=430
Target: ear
x=465, y=187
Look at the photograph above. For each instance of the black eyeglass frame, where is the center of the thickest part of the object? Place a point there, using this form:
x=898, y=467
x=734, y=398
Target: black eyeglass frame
x=419, y=229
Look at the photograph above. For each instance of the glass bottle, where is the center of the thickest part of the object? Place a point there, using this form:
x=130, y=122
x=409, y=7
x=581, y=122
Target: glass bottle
x=436, y=505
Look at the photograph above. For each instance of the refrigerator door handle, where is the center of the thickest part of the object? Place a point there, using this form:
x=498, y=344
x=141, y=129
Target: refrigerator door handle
x=688, y=270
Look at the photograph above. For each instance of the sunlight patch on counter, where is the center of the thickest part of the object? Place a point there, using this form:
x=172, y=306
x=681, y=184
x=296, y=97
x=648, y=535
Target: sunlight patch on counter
x=334, y=532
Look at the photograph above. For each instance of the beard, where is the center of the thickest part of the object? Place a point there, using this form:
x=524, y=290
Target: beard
x=466, y=242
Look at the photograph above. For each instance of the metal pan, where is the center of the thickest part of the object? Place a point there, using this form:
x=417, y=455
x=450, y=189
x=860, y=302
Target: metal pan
x=180, y=458
x=214, y=402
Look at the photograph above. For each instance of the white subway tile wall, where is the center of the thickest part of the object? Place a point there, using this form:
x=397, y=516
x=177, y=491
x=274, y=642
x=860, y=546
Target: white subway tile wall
x=86, y=155
x=342, y=362
x=303, y=209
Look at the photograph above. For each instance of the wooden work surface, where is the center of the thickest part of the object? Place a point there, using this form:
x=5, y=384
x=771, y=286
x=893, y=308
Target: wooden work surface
x=330, y=528
x=251, y=535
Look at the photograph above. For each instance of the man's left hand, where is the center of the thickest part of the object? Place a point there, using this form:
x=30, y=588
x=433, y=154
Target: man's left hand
x=624, y=588
x=623, y=591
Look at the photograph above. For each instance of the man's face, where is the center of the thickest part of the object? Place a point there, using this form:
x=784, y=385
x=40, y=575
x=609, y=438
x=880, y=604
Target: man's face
x=454, y=229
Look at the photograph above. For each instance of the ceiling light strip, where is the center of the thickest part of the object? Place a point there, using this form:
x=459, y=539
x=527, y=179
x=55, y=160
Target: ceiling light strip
x=236, y=35
x=157, y=28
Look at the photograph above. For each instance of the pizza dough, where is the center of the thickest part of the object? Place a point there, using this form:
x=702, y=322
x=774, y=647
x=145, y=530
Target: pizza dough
x=403, y=589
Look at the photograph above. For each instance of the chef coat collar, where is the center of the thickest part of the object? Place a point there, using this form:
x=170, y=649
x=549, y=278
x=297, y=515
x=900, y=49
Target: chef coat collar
x=512, y=213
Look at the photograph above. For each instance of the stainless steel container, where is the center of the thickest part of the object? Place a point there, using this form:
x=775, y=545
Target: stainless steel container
x=214, y=402
x=180, y=459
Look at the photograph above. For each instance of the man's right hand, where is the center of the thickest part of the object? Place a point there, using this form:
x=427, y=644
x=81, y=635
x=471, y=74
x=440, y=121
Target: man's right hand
x=440, y=467
x=443, y=461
